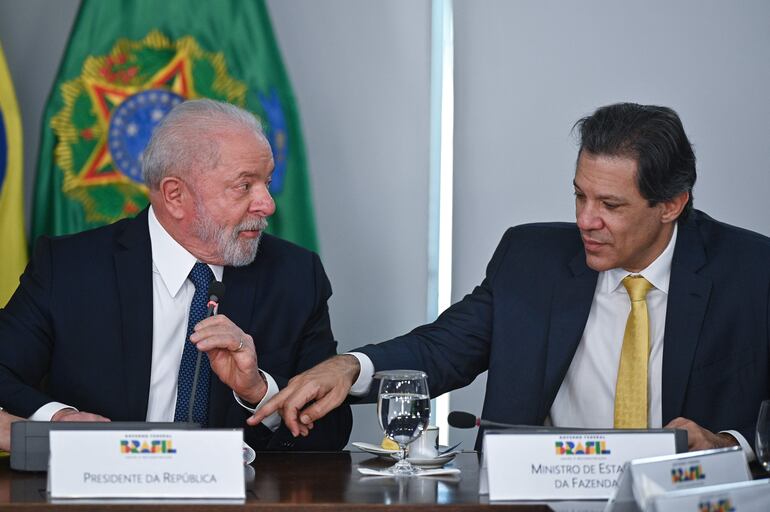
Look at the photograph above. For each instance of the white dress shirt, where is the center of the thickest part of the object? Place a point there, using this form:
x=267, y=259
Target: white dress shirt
x=586, y=398
x=172, y=294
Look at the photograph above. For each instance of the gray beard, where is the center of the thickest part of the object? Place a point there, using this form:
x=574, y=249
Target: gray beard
x=235, y=252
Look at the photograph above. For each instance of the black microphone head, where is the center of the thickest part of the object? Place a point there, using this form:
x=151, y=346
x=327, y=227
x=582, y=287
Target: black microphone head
x=461, y=419
x=216, y=290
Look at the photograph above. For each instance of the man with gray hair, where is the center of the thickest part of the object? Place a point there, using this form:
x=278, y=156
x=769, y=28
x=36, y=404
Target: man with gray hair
x=113, y=322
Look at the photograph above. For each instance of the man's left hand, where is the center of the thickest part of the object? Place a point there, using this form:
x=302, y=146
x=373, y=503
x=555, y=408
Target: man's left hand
x=232, y=355
x=698, y=438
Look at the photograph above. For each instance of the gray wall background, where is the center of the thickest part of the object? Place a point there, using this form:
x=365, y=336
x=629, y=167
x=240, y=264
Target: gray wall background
x=361, y=74
x=525, y=70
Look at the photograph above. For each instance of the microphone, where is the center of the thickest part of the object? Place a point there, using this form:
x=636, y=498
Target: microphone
x=461, y=419
x=216, y=292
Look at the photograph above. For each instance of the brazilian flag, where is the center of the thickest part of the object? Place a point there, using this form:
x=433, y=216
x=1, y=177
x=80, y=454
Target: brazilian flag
x=13, y=246
x=127, y=63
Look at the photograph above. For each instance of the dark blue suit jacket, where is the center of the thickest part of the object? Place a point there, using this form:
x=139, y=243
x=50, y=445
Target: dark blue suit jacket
x=525, y=321
x=81, y=323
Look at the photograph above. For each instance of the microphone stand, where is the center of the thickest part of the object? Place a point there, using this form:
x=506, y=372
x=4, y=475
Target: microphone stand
x=213, y=306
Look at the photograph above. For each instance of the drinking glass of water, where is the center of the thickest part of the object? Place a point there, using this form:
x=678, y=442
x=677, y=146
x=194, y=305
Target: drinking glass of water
x=762, y=441
x=403, y=407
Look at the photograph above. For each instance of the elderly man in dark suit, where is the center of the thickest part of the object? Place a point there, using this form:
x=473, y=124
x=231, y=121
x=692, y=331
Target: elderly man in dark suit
x=645, y=313
x=110, y=323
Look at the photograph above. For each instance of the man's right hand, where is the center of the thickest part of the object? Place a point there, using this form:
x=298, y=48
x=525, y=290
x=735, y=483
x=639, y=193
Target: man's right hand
x=73, y=415
x=327, y=383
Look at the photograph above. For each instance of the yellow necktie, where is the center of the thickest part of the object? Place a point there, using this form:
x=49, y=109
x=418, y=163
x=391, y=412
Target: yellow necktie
x=631, y=389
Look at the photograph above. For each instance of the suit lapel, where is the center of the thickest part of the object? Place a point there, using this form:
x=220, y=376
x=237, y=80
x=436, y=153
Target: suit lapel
x=238, y=302
x=570, y=306
x=687, y=303
x=133, y=267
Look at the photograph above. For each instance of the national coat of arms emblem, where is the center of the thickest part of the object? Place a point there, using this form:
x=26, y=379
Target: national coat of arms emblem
x=111, y=108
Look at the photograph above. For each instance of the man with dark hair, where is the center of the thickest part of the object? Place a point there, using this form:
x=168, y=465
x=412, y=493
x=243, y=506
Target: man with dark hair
x=113, y=320
x=644, y=313
x=651, y=135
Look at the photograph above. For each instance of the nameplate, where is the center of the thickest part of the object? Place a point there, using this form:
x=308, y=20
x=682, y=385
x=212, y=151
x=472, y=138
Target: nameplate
x=196, y=464
x=644, y=479
x=31, y=445
x=739, y=497
x=567, y=464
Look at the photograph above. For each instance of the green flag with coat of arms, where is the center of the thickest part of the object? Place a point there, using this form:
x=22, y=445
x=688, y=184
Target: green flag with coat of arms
x=127, y=63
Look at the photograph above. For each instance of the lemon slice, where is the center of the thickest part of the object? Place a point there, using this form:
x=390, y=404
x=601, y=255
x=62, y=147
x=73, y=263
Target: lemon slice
x=389, y=445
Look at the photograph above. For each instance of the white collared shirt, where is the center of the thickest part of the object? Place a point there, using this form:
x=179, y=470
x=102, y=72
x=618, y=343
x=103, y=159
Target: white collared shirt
x=586, y=398
x=172, y=294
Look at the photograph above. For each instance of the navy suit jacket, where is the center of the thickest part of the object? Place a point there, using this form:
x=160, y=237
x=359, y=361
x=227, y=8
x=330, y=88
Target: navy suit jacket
x=81, y=321
x=525, y=321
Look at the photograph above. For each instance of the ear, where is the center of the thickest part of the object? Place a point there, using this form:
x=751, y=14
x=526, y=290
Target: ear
x=672, y=208
x=174, y=196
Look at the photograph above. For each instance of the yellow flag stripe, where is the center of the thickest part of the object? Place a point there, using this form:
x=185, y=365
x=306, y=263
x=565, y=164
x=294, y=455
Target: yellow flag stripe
x=12, y=240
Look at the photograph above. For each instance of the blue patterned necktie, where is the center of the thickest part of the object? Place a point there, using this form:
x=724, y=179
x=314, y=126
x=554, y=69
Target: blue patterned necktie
x=201, y=276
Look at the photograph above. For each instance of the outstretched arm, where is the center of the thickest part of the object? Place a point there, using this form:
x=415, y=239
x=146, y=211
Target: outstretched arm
x=326, y=385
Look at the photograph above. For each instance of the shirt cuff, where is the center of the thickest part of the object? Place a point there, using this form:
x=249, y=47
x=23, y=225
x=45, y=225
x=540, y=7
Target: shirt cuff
x=365, y=376
x=745, y=446
x=274, y=420
x=46, y=412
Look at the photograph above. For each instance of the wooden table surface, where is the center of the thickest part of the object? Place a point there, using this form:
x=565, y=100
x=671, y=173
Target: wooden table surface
x=298, y=481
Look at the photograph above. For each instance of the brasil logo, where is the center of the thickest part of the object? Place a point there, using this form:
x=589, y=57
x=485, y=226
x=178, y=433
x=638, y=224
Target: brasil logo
x=580, y=448
x=684, y=474
x=147, y=446
x=111, y=109
x=719, y=505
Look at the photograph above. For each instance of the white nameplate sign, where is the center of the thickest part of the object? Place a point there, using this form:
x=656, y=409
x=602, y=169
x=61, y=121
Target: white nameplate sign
x=644, y=479
x=198, y=464
x=543, y=465
x=740, y=497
